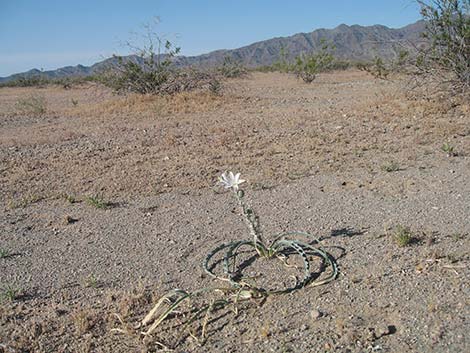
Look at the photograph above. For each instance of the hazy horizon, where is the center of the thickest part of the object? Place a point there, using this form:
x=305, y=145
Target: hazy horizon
x=54, y=34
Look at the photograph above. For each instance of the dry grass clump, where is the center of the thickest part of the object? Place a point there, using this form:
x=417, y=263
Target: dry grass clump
x=97, y=201
x=33, y=104
x=403, y=236
x=136, y=105
x=84, y=320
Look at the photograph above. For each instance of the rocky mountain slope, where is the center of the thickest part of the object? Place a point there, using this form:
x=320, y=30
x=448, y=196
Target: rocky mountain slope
x=355, y=43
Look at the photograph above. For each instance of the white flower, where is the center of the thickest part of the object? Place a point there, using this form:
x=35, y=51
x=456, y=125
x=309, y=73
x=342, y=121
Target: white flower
x=229, y=180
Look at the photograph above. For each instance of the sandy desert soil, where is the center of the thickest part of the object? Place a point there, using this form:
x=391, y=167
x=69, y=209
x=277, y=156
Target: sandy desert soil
x=347, y=159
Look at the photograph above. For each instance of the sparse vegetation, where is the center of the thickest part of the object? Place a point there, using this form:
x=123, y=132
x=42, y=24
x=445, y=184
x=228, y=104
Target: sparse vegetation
x=70, y=198
x=328, y=137
x=25, y=201
x=41, y=81
x=215, y=87
x=232, y=68
x=448, y=149
x=27, y=81
x=377, y=68
x=403, y=236
x=150, y=70
x=9, y=293
x=307, y=66
x=241, y=288
x=447, y=59
x=98, y=201
x=4, y=253
x=283, y=64
x=391, y=167
x=34, y=104
x=84, y=320
x=91, y=281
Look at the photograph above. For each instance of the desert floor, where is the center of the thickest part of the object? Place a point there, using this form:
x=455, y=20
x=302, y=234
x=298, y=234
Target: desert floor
x=347, y=159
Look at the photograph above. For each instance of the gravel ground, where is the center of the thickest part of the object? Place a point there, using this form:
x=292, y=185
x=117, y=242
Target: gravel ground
x=68, y=266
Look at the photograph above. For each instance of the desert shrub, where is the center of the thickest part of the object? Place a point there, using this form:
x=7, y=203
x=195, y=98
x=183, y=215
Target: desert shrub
x=283, y=63
x=69, y=82
x=232, y=68
x=401, y=63
x=42, y=81
x=376, y=68
x=215, y=86
x=448, y=30
x=144, y=72
x=264, y=68
x=340, y=65
x=150, y=70
x=188, y=79
x=33, y=104
x=307, y=66
x=27, y=81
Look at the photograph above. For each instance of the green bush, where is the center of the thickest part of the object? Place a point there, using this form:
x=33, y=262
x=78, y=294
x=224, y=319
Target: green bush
x=150, y=70
x=376, y=68
x=232, y=68
x=307, y=66
x=282, y=64
x=145, y=72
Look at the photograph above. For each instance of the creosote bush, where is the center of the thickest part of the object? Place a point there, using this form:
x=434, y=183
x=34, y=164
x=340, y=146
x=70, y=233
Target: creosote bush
x=151, y=70
x=376, y=68
x=307, y=66
x=447, y=59
x=232, y=68
x=283, y=64
x=146, y=75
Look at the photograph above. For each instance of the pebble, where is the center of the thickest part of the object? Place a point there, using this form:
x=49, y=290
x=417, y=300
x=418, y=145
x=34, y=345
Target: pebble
x=382, y=330
x=315, y=314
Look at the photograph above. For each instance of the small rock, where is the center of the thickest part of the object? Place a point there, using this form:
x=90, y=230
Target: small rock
x=61, y=311
x=315, y=314
x=383, y=330
x=70, y=220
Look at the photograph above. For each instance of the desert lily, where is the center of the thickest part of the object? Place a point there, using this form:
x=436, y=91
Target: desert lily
x=240, y=288
x=232, y=181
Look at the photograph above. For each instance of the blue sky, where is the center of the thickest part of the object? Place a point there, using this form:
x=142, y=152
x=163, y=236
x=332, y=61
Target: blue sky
x=52, y=33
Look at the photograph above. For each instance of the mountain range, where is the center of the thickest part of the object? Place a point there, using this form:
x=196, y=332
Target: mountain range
x=352, y=43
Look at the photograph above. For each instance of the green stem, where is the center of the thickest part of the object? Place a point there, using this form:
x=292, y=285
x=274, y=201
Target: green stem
x=251, y=221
